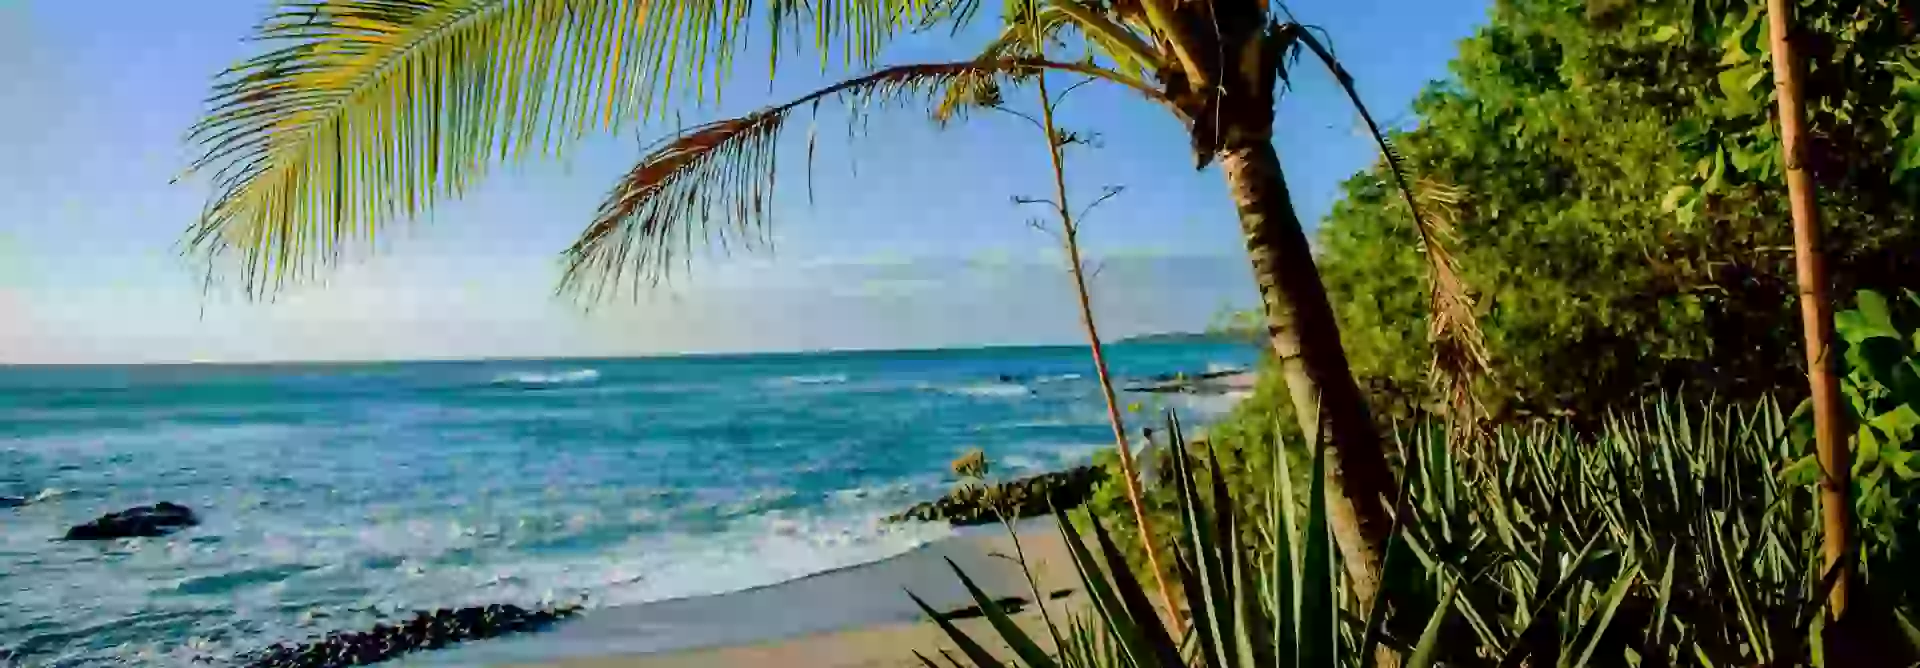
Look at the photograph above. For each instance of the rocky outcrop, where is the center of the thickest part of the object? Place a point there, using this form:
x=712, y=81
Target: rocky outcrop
x=1026, y=497
x=158, y=519
x=424, y=631
x=1211, y=382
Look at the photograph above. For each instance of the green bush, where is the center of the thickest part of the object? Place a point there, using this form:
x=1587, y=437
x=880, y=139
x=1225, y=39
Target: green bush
x=1624, y=220
x=1669, y=538
x=1880, y=380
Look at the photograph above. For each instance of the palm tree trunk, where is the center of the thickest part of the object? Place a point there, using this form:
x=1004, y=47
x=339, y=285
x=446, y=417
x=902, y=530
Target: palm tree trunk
x=1306, y=341
x=1816, y=312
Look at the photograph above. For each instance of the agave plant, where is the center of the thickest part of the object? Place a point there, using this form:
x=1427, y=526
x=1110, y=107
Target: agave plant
x=1670, y=538
x=1272, y=607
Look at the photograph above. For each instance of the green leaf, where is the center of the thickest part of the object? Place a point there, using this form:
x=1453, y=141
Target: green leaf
x=1132, y=640
x=1663, y=599
x=1426, y=648
x=1318, y=634
x=1156, y=641
x=1010, y=633
x=1734, y=83
x=1875, y=314
x=1596, y=627
x=980, y=657
x=1671, y=202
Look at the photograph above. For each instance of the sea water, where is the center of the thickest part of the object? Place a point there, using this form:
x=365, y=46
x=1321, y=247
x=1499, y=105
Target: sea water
x=332, y=495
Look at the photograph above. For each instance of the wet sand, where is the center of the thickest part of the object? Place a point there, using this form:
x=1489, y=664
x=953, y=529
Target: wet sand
x=858, y=616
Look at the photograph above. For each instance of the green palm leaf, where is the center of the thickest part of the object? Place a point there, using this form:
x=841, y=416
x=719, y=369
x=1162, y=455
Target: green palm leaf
x=713, y=182
x=361, y=111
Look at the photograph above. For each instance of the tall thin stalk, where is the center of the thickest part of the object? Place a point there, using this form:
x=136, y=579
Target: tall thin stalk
x=1816, y=311
x=1070, y=239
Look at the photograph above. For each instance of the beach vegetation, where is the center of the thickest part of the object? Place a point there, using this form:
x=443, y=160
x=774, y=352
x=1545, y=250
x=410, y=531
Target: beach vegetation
x=1673, y=536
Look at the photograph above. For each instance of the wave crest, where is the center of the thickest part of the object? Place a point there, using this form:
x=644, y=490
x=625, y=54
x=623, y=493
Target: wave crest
x=540, y=379
x=816, y=379
x=993, y=390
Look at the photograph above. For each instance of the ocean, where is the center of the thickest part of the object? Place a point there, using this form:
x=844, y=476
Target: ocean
x=333, y=494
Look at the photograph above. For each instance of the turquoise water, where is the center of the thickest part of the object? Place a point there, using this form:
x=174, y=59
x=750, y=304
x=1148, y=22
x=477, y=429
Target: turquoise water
x=332, y=494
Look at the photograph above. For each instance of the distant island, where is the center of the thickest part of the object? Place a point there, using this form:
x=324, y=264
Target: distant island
x=1185, y=337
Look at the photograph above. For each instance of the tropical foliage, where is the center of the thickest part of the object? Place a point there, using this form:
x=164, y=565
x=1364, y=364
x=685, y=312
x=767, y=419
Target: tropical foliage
x=1881, y=343
x=1278, y=605
x=1621, y=221
x=360, y=113
x=1671, y=537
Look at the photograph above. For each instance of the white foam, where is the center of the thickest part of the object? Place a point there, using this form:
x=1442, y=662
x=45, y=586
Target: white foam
x=817, y=379
x=1058, y=378
x=750, y=552
x=570, y=377
x=1209, y=407
x=1223, y=367
x=993, y=390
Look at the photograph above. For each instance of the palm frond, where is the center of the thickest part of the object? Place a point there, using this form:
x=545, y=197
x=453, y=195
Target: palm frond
x=1459, y=348
x=361, y=111
x=712, y=183
x=1032, y=24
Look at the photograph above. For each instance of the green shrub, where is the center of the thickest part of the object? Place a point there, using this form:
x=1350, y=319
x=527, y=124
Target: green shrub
x=1623, y=221
x=1880, y=380
x=1671, y=536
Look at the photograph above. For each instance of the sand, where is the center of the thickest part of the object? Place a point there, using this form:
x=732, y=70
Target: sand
x=856, y=617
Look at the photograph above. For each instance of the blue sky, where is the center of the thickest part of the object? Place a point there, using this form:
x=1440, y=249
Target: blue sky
x=910, y=240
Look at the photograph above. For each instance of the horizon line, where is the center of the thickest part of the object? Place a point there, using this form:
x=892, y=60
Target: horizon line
x=1122, y=340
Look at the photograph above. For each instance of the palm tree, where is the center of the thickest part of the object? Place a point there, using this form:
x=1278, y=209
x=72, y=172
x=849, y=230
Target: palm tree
x=364, y=111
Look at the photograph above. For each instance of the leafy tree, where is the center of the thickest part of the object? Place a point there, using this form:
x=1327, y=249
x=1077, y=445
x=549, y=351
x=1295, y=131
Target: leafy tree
x=1620, y=215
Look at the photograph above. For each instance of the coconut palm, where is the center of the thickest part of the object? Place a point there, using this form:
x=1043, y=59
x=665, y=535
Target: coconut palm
x=1221, y=82
x=361, y=112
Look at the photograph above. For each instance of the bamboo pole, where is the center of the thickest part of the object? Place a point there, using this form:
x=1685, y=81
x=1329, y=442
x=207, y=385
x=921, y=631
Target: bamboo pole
x=1816, y=311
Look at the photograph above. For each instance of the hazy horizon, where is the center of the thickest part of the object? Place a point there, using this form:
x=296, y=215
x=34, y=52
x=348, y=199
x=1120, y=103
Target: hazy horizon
x=1081, y=343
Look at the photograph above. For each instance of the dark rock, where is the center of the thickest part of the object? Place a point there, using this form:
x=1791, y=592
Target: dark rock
x=1027, y=497
x=1211, y=382
x=158, y=519
x=424, y=630
x=12, y=501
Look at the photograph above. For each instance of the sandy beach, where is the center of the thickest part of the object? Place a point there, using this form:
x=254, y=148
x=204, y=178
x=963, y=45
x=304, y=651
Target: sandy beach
x=859, y=616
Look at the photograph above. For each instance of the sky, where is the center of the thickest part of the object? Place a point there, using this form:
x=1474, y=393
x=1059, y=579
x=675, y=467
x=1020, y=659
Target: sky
x=910, y=239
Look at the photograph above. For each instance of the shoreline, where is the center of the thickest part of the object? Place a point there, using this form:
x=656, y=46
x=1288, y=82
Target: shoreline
x=854, y=616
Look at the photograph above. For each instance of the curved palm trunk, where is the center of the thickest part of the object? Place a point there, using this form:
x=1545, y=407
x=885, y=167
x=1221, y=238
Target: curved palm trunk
x=1306, y=340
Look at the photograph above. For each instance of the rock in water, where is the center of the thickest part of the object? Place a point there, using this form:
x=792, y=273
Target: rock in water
x=12, y=501
x=425, y=630
x=1023, y=498
x=158, y=519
